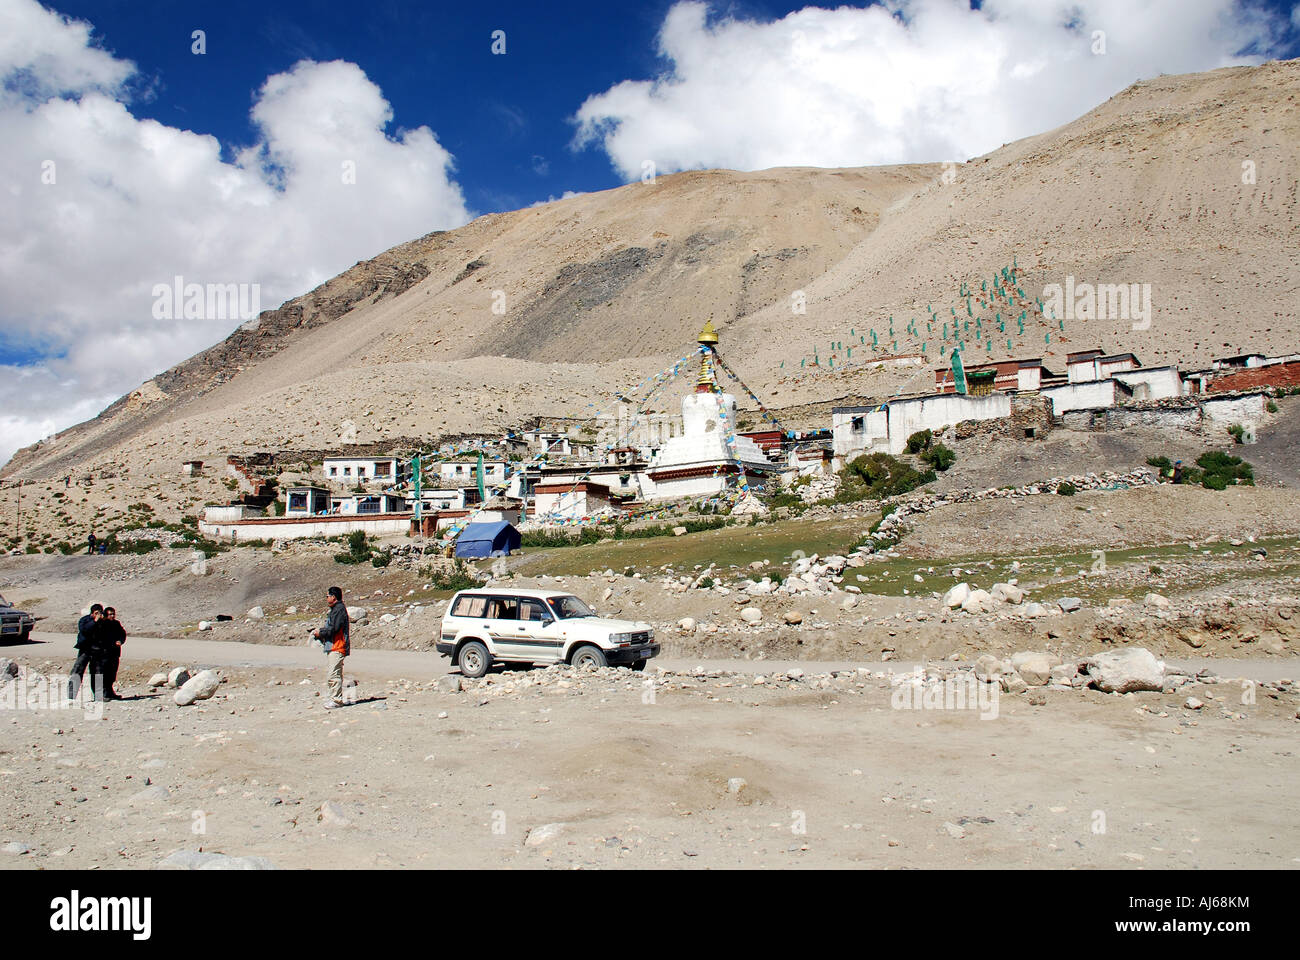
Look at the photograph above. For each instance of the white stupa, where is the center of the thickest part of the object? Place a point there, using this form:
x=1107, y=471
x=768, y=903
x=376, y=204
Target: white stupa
x=700, y=462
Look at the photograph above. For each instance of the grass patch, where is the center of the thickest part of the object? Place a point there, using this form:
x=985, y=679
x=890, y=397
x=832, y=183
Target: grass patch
x=733, y=546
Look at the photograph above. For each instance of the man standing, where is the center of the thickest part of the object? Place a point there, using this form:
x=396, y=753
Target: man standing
x=87, y=628
x=113, y=636
x=91, y=541
x=334, y=635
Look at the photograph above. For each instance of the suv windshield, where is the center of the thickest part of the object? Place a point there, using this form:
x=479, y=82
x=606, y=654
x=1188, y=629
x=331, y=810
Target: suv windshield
x=568, y=608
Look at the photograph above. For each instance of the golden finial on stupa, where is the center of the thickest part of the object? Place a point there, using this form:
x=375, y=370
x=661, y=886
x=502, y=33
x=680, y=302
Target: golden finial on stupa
x=708, y=336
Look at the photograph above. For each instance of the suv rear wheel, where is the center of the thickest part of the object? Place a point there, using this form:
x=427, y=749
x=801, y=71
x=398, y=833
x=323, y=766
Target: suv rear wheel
x=589, y=656
x=474, y=659
x=638, y=664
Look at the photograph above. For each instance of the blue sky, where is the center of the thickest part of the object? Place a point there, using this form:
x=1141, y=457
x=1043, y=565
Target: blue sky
x=129, y=160
x=506, y=119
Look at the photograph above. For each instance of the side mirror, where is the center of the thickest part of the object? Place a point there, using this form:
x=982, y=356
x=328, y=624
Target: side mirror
x=547, y=621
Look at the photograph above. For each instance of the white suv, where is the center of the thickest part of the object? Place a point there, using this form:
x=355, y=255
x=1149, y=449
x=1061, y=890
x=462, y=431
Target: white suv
x=496, y=625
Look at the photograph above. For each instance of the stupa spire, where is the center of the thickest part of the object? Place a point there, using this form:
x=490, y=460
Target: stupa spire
x=708, y=341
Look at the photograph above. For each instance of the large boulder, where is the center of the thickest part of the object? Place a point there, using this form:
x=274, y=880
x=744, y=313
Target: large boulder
x=201, y=686
x=955, y=597
x=1034, y=668
x=751, y=615
x=989, y=668
x=1124, y=671
x=978, y=601
x=1007, y=593
x=178, y=677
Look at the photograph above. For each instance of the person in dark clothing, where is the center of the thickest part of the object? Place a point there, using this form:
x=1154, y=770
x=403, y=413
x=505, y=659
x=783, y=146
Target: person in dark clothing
x=87, y=635
x=1178, y=471
x=91, y=541
x=112, y=636
x=334, y=635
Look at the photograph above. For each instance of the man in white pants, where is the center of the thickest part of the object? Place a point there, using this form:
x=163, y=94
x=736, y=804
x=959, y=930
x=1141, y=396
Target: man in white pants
x=334, y=635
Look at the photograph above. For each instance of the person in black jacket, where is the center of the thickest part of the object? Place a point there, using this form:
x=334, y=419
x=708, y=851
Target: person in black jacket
x=87, y=631
x=112, y=636
x=334, y=635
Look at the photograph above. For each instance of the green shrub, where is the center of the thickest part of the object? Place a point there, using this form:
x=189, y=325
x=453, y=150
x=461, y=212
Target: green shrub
x=1067, y=489
x=1222, y=470
x=939, y=457
x=382, y=559
x=1155, y=571
x=1160, y=463
x=1271, y=407
x=459, y=578
x=706, y=583
x=1236, y=431
x=920, y=441
x=358, y=551
x=878, y=476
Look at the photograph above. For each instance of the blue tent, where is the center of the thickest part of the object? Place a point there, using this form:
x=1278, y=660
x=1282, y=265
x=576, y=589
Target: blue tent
x=495, y=539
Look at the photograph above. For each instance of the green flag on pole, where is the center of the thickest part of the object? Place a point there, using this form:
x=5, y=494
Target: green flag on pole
x=958, y=372
x=482, y=495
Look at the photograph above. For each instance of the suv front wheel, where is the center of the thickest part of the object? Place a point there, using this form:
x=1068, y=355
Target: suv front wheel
x=474, y=659
x=589, y=656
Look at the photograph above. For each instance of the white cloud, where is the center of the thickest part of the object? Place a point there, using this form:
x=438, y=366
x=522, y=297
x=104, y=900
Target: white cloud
x=135, y=203
x=912, y=80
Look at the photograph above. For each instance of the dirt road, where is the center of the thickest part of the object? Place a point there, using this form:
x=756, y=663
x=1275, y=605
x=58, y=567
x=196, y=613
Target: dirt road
x=532, y=769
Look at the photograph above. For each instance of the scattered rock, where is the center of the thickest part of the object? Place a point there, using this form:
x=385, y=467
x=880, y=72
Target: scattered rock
x=257, y=613
x=1069, y=604
x=751, y=614
x=332, y=814
x=793, y=617
x=199, y=687
x=198, y=860
x=547, y=832
x=956, y=596
x=1125, y=671
x=1034, y=668
x=1156, y=600
x=178, y=677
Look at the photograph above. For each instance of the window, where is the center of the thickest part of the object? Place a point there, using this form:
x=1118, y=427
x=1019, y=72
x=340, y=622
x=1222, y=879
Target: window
x=459, y=469
x=470, y=606
x=384, y=468
x=334, y=471
x=368, y=505
x=533, y=610
x=347, y=471
x=361, y=471
x=858, y=424
x=297, y=501
x=503, y=608
x=567, y=608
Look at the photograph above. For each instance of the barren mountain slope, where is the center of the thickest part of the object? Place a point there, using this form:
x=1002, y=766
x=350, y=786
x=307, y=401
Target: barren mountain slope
x=595, y=292
x=1147, y=188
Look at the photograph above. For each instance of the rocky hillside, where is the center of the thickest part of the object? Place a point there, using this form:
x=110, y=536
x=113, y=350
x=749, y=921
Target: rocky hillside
x=551, y=310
